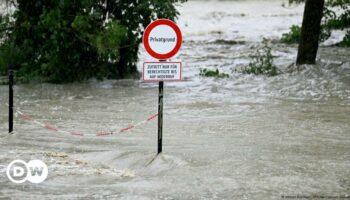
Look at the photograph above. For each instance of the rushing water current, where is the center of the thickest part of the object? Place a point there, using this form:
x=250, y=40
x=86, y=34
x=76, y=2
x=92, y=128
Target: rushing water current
x=242, y=137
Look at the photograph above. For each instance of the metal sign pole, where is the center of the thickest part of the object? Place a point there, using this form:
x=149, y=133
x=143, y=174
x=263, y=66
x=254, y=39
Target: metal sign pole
x=10, y=101
x=157, y=72
x=160, y=116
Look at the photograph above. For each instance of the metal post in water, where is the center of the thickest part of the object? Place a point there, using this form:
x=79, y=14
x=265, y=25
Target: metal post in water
x=160, y=116
x=10, y=101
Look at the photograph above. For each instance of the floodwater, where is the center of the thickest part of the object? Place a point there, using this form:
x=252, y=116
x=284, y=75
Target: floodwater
x=242, y=137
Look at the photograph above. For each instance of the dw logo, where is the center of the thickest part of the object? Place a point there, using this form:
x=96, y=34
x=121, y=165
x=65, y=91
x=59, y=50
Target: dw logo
x=35, y=171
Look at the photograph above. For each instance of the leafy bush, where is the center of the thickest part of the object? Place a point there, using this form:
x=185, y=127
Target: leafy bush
x=293, y=36
x=346, y=40
x=212, y=73
x=64, y=41
x=262, y=62
x=338, y=20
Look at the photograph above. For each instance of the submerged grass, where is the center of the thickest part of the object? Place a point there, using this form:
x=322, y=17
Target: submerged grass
x=213, y=73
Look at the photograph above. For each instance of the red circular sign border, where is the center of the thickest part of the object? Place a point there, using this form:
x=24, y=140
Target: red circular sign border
x=148, y=30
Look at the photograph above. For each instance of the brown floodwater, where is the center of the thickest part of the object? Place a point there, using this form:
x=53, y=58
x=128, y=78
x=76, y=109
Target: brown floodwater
x=242, y=137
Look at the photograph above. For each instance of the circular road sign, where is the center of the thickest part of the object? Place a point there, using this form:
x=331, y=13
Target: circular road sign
x=162, y=39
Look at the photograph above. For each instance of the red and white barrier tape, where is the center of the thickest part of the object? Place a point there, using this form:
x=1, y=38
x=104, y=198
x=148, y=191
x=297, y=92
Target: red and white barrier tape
x=100, y=134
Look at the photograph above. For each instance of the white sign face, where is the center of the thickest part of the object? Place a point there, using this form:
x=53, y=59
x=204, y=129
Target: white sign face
x=161, y=71
x=162, y=39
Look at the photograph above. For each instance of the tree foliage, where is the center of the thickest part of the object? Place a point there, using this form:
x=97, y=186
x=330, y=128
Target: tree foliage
x=336, y=16
x=73, y=40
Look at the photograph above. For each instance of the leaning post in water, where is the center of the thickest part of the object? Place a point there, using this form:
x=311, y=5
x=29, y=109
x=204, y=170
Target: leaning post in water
x=10, y=74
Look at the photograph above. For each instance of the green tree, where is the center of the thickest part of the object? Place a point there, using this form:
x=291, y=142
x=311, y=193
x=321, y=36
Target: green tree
x=73, y=40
